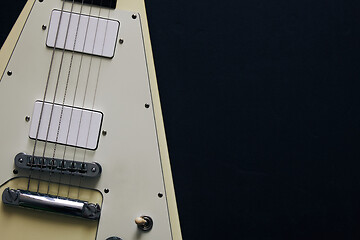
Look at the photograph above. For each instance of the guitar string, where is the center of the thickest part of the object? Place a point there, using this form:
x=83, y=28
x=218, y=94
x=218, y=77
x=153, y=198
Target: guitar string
x=55, y=94
x=76, y=87
x=94, y=98
x=64, y=97
x=85, y=94
x=32, y=160
x=75, y=93
x=66, y=85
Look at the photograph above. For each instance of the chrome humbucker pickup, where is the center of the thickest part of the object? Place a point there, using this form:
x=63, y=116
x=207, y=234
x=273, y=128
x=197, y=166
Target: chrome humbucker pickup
x=55, y=165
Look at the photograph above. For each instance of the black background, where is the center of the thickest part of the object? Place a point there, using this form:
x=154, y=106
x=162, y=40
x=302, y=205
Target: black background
x=262, y=111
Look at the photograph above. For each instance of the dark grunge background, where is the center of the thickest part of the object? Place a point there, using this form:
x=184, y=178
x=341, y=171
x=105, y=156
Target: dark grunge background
x=262, y=112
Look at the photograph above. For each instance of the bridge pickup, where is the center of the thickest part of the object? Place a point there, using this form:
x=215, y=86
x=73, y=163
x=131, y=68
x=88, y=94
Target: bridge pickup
x=55, y=165
x=51, y=203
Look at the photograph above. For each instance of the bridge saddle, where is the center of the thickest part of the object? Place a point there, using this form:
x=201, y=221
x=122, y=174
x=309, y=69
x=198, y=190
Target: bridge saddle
x=55, y=165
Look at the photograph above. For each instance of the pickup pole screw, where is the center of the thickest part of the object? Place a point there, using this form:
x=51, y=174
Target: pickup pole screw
x=27, y=118
x=93, y=169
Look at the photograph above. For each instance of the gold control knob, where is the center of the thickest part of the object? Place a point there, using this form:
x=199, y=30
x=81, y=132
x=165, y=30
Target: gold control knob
x=144, y=223
x=140, y=221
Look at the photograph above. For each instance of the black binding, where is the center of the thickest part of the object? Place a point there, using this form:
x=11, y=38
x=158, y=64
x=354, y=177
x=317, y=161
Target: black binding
x=101, y=3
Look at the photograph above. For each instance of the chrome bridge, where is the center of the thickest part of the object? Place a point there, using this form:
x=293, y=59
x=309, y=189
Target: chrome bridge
x=51, y=203
x=69, y=167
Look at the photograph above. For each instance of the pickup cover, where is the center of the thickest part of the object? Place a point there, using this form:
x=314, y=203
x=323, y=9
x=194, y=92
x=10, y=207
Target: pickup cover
x=77, y=127
x=91, y=35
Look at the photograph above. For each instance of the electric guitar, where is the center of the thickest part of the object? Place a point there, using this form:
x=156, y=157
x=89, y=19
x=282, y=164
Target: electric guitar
x=82, y=149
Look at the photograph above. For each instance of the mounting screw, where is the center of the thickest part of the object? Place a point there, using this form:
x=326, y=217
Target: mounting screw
x=134, y=16
x=43, y=27
x=106, y=190
x=147, y=105
x=160, y=195
x=104, y=132
x=9, y=73
x=27, y=118
x=15, y=171
x=41, y=0
x=121, y=41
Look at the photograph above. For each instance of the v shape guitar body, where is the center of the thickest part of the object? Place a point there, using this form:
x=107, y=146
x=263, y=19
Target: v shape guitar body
x=82, y=149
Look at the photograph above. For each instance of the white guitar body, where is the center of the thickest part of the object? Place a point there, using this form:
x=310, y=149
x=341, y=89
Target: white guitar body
x=130, y=144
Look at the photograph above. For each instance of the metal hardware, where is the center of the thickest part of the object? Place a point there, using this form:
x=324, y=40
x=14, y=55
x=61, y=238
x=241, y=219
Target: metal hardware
x=134, y=16
x=51, y=203
x=55, y=165
x=121, y=41
x=104, y=132
x=147, y=105
x=106, y=190
x=27, y=118
x=43, y=27
x=9, y=73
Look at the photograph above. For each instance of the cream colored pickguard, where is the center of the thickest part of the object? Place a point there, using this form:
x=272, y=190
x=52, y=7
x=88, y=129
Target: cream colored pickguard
x=133, y=154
